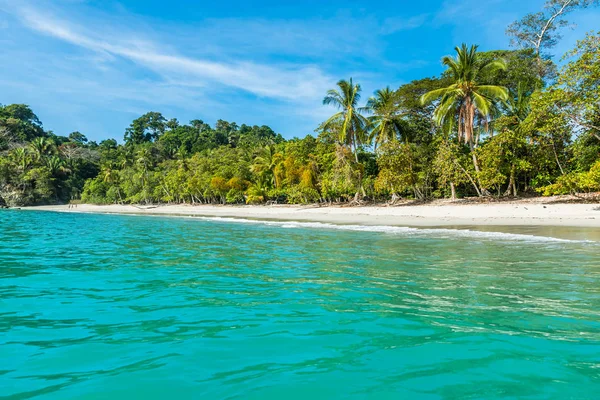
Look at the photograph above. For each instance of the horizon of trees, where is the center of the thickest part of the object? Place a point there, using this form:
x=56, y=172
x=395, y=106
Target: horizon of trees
x=496, y=123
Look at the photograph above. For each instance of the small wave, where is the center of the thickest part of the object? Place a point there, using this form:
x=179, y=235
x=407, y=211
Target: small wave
x=399, y=230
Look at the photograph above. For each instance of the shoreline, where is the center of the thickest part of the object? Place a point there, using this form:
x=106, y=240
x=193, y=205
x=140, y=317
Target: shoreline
x=491, y=214
x=580, y=221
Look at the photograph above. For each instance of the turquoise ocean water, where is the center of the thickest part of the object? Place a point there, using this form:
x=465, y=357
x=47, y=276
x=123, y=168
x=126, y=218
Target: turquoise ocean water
x=126, y=307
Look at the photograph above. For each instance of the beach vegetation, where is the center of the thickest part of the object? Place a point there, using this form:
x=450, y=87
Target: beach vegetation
x=501, y=123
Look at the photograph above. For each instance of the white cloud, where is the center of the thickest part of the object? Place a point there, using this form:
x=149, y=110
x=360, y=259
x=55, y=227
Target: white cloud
x=396, y=24
x=110, y=64
x=285, y=82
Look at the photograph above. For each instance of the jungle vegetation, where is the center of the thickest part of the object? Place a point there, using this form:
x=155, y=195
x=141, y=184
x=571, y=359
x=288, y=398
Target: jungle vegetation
x=496, y=123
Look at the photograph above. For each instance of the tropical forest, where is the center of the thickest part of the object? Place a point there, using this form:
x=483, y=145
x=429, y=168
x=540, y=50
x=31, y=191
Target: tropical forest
x=494, y=124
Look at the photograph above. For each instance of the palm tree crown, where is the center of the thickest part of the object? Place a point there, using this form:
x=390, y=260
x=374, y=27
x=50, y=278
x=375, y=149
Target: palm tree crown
x=266, y=163
x=352, y=124
x=465, y=98
x=385, y=124
x=518, y=104
x=41, y=147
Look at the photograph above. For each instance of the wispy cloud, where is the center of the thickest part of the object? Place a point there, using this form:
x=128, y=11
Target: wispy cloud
x=272, y=71
x=106, y=64
x=396, y=24
x=285, y=82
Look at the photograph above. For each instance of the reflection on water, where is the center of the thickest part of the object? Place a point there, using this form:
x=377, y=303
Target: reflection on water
x=129, y=307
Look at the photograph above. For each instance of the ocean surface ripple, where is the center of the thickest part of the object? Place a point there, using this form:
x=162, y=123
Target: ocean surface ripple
x=104, y=306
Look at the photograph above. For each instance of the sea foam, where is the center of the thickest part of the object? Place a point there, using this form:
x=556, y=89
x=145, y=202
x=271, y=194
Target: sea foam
x=442, y=233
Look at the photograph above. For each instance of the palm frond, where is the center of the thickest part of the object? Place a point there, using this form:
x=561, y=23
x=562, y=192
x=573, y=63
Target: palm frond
x=432, y=95
x=482, y=104
x=335, y=118
x=492, y=91
x=493, y=66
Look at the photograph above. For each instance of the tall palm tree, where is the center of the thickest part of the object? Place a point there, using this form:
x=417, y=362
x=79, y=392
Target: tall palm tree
x=385, y=124
x=111, y=177
x=353, y=125
x=465, y=100
x=143, y=160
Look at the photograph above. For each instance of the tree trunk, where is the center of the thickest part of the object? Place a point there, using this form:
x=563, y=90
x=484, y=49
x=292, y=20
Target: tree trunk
x=355, y=148
x=562, y=172
x=453, y=190
x=469, y=119
x=482, y=191
x=513, y=180
x=511, y=184
x=418, y=193
x=470, y=178
x=361, y=190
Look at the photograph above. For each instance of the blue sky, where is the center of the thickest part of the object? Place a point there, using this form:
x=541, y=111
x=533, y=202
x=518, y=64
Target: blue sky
x=95, y=65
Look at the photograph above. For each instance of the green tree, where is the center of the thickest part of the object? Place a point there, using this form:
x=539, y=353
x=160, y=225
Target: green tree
x=21, y=122
x=385, y=124
x=518, y=105
x=349, y=120
x=540, y=31
x=78, y=137
x=577, y=94
x=41, y=147
x=400, y=170
x=21, y=157
x=146, y=128
x=447, y=165
x=111, y=177
x=265, y=165
x=219, y=185
x=465, y=99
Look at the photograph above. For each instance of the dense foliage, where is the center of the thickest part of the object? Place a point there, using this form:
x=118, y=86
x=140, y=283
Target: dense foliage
x=37, y=166
x=493, y=124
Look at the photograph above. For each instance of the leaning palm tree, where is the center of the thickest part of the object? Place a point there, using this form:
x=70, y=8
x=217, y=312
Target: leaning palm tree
x=466, y=100
x=353, y=125
x=385, y=124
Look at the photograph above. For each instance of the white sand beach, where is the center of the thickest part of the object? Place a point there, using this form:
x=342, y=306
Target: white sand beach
x=519, y=213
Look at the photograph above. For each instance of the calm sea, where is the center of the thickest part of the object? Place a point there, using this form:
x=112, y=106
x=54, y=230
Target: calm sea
x=126, y=307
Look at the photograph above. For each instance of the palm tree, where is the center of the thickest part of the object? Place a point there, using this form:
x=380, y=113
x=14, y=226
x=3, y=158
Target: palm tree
x=352, y=124
x=518, y=104
x=41, y=147
x=55, y=165
x=111, y=177
x=385, y=124
x=143, y=161
x=20, y=157
x=266, y=164
x=465, y=99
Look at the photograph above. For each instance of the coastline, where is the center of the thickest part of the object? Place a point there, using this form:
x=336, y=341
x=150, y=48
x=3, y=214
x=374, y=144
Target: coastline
x=579, y=221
